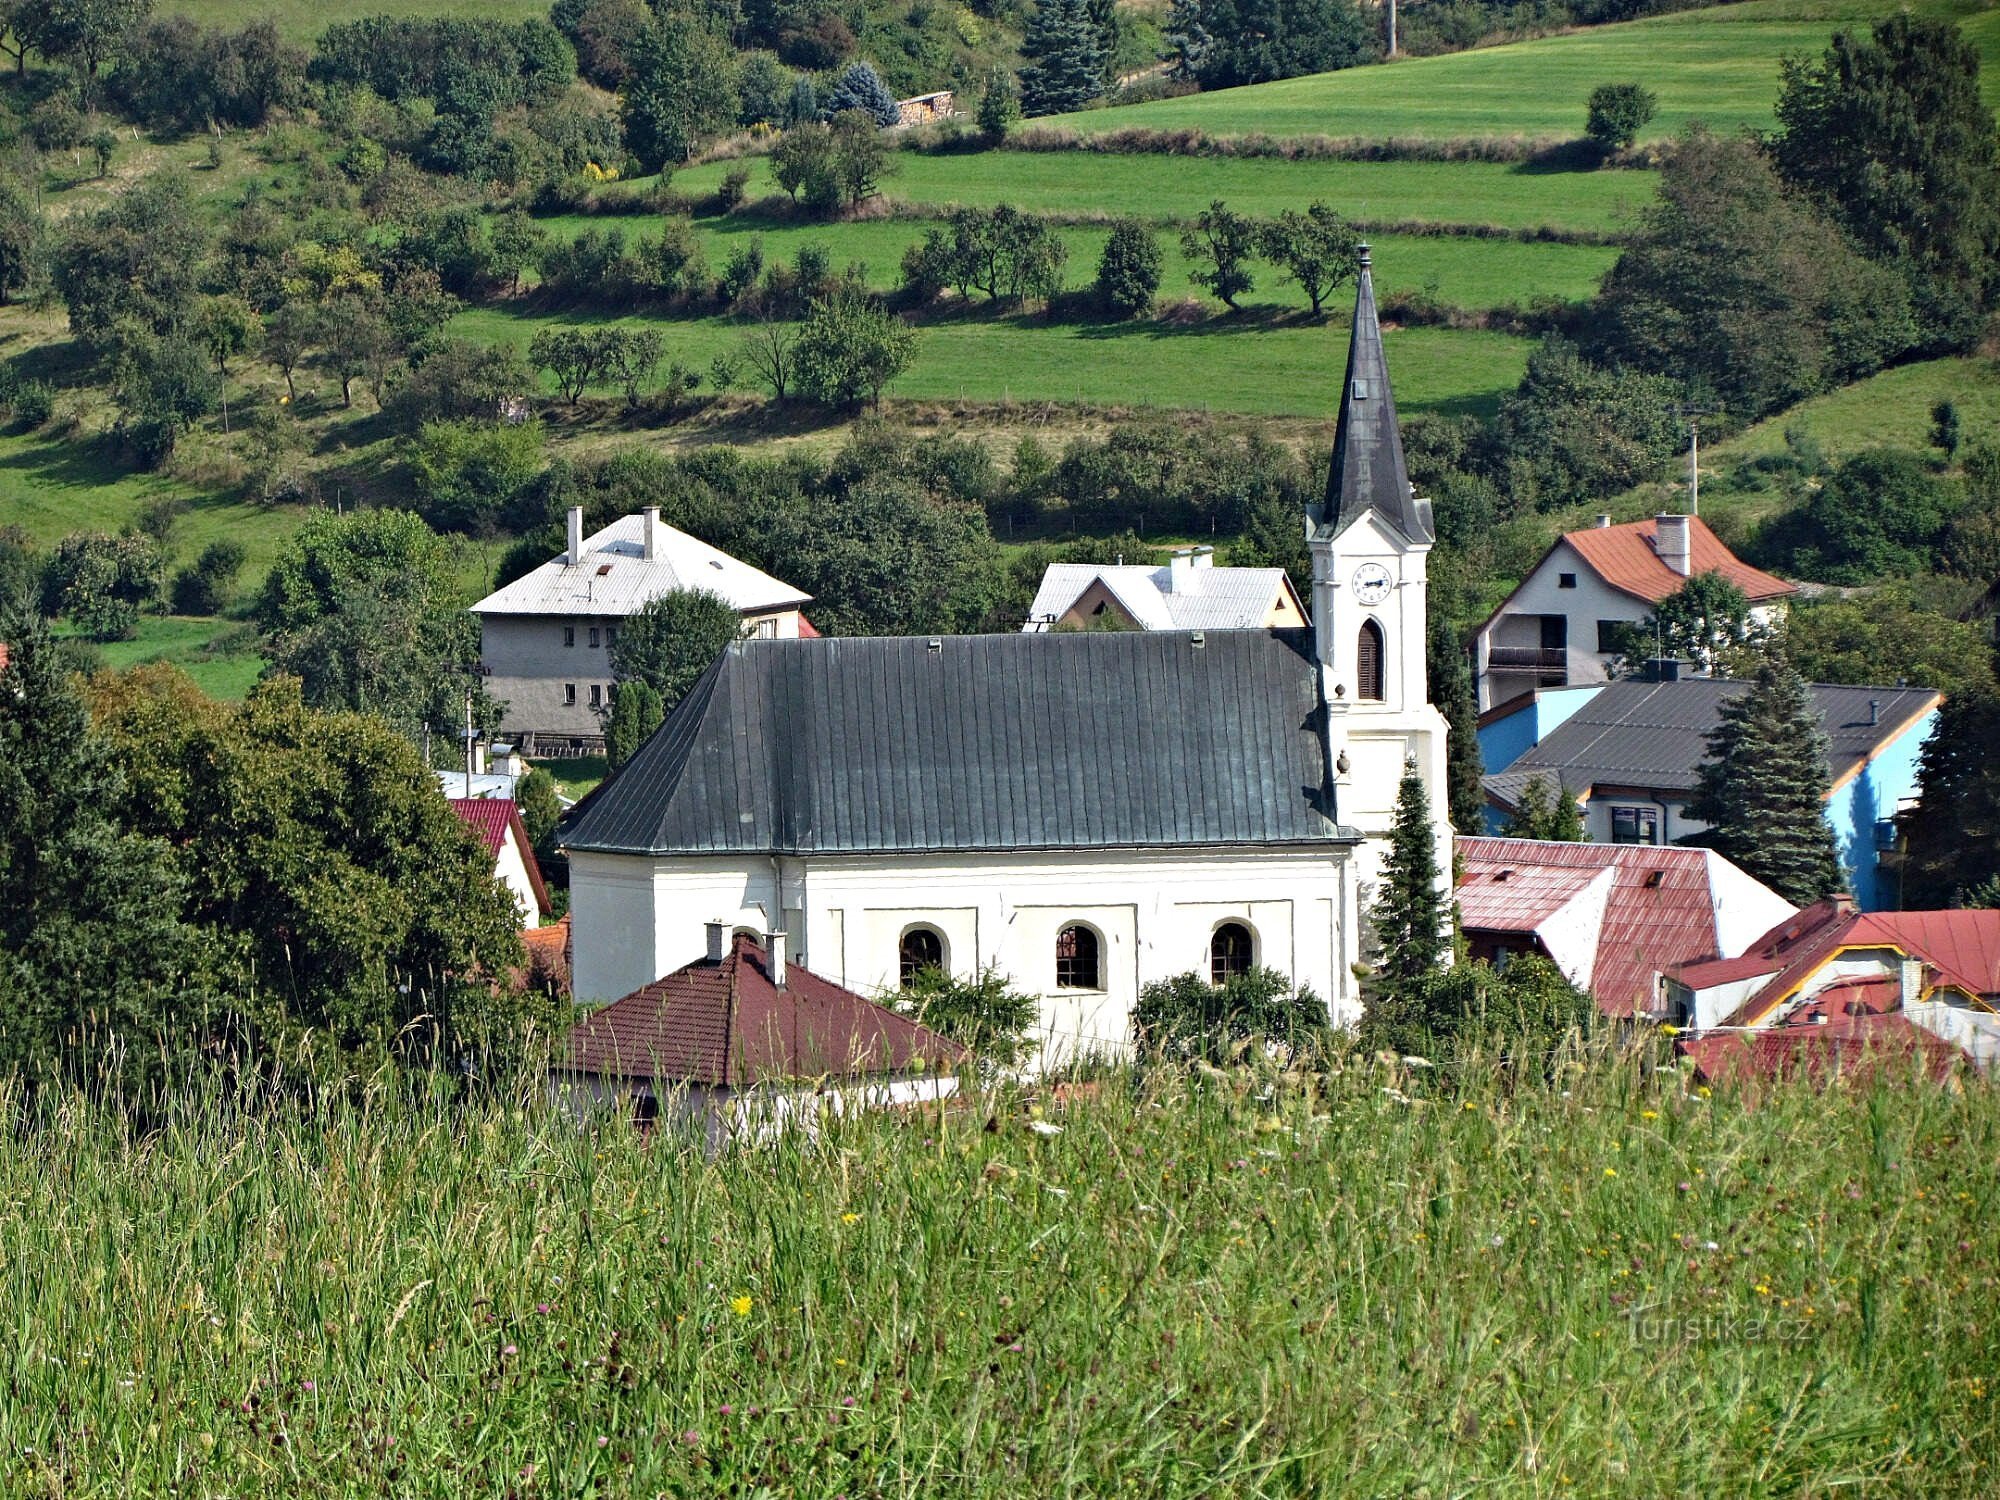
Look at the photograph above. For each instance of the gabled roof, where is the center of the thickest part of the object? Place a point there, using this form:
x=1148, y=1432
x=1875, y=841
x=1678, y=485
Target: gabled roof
x=983, y=742
x=490, y=818
x=1627, y=558
x=1665, y=906
x=1206, y=598
x=1865, y=1046
x=615, y=578
x=727, y=1024
x=1653, y=735
x=1368, y=471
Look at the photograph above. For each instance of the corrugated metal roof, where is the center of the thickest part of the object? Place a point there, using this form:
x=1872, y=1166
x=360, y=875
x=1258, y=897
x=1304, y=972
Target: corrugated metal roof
x=1653, y=735
x=615, y=578
x=727, y=1023
x=1866, y=1046
x=1209, y=598
x=1960, y=949
x=1368, y=471
x=1071, y=741
x=1626, y=557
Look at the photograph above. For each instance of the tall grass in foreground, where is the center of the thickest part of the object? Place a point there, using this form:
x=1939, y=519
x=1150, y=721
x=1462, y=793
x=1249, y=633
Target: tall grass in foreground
x=1231, y=1284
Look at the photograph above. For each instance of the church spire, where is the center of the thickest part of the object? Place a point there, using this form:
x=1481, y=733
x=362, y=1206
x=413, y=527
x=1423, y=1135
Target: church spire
x=1368, y=470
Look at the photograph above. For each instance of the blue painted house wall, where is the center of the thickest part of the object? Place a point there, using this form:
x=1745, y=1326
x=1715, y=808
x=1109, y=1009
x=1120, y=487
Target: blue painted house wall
x=1858, y=808
x=1506, y=740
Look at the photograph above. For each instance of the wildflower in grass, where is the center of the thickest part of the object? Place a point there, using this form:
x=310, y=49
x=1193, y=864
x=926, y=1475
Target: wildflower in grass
x=1045, y=1127
x=1649, y=1114
x=1610, y=1171
x=850, y=1218
x=307, y=1385
x=542, y=1307
x=604, y=1442
x=508, y=1351
x=741, y=1304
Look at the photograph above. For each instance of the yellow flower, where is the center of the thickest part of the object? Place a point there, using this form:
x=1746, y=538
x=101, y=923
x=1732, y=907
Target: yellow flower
x=1670, y=1031
x=850, y=1218
x=1610, y=1171
x=741, y=1304
x=1470, y=1105
x=1649, y=1114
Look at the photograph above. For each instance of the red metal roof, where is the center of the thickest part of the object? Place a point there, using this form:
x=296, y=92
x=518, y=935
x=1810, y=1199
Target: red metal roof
x=490, y=818
x=807, y=630
x=1713, y=971
x=1660, y=911
x=1854, y=1046
x=1625, y=557
x=1960, y=949
x=727, y=1024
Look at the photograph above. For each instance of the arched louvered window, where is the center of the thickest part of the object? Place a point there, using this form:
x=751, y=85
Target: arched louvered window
x=1368, y=663
x=922, y=948
x=1076, y=959
x=1231, y=951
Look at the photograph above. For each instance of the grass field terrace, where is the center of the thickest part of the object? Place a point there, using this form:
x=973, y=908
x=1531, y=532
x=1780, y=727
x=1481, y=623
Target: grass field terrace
x=1364, y=1283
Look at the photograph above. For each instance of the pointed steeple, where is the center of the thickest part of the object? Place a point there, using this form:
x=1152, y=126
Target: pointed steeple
x=1368, y=469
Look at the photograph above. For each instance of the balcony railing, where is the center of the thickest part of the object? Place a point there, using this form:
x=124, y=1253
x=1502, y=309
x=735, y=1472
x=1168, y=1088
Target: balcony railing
x=1541, y=659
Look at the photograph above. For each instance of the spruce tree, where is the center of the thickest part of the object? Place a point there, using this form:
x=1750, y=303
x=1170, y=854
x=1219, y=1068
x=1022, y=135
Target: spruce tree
x=636, y=712
x=1547, y=812
x=1763, y=787
x=1065, y=51
x=1409, y=912
x=1954, y=830
x=1464, y=767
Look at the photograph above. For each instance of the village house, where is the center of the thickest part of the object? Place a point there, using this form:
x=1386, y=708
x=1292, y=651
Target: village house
x=496, y=821
x=1083, y=812
x=1832, y=981
x=1561, y=627
x=1612, y=917
x=545, y=638
x=1629, y=752
x=1186, y=593
x=743, y=1040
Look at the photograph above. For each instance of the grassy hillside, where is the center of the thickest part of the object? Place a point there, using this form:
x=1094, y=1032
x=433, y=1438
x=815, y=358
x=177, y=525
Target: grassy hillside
x=1718, y=65
x=1246, y=1285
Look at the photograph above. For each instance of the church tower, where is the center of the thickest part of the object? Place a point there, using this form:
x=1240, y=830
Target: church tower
x=1370, y=541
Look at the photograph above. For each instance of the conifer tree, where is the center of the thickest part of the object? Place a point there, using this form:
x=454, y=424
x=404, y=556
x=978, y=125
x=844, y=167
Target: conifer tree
x=1762, y=788
x=1410, y=910
x=636, y=712
x=1545, y=812
x=1954, y=830
x=1065, y=50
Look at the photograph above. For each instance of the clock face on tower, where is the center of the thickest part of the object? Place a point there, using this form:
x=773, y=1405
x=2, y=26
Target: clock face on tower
x=1371, y=583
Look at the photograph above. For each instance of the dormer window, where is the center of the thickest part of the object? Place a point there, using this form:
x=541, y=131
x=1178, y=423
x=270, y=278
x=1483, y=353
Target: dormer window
x=1363, y=388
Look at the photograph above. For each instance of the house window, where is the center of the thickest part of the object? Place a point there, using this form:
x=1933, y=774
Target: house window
x=595, y=636
x=1611, y=636
x=1230, y=952
x=922, y=948
x=569, y=635
x=1368, y=663
x=1635, y=825
x=1076, y=959
x=1565, y=580
x=569, y=695
x=767, y=630
x=596, y=695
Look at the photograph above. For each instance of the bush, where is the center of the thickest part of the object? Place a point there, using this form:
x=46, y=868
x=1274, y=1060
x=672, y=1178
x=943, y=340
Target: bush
x=203, y=587
x=99, y=582
x=33, y=403
x=734, y=187
x=469, y=475
x=1187, y=1017
x=986, y=1015
x=1526, y=1010
x=1618, y=112
x=1128, y=272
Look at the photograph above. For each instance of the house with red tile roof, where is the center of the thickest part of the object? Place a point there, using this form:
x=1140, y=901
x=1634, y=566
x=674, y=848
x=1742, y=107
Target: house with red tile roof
x=1612, y=917
x=1834, y=976
x=496, y=822
x=1560, y=627
x=743, y=1035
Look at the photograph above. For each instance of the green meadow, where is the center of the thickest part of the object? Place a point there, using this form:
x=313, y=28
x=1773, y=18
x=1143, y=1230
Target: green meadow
x=1369, y=1280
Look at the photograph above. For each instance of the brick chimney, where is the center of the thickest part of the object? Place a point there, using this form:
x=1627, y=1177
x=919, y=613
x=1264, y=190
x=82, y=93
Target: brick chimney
x=718, y=941
x=652, y=532
x=575, y=552
x=1910, y=974
x=1674, y=542
x=776, y=959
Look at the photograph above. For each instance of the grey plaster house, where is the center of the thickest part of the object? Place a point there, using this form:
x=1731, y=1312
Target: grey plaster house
x=545, y=639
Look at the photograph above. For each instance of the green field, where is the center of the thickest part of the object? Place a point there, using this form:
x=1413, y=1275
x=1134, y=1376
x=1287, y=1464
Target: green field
x=1244, y=1285
x=1719, y=66
x=304, y=20
x=1177, y=188
x=1284, y=367
x=186, y=643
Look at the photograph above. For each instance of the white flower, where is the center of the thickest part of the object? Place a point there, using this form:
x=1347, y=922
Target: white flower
x=1059, y=1192
x=1045, y=1127
x=1416, y=1062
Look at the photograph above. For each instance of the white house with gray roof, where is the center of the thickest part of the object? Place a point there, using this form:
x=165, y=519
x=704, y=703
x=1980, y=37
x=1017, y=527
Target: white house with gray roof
x=1188, y=593
x=1085, y=812
x=545, y=638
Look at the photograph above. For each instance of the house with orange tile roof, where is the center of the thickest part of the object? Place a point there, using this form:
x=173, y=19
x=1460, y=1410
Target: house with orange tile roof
x=1560, y=628
x=745, y=1039
x=1831, y=981
x=1612, y=917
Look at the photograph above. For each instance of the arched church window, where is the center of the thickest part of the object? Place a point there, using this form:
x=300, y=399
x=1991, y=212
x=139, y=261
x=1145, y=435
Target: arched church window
x=1231, y=951
x=922, y=948
x=1368, y=663
x=1076, y=959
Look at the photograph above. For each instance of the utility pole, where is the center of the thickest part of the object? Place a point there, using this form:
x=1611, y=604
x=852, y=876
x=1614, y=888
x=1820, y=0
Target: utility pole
x=468, y=745
x=1392, y=28
x=1694, y=414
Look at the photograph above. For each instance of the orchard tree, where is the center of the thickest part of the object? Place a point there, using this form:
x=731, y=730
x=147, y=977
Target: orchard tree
x=22, y=231
x=1317, y=249
x=291, y=333
x=860, y=157
x=99, y=582
x=1221, y=245
x=1762, y=787
x=849, y=347
x=1618, y=112
x=86, y=34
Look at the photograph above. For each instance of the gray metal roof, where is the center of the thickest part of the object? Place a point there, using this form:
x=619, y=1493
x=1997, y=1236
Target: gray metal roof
x=1368, y=471
x=1653, y=735
x=985, y=742
x=1207, y=597
x=615, y=578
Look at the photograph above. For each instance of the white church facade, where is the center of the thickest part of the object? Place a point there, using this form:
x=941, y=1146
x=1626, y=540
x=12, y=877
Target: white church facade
x=1086, y=813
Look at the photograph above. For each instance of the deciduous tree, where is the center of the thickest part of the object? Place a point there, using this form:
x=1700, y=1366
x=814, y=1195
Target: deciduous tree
x=1221, y=245
x=667, y=645
x=1317, y=249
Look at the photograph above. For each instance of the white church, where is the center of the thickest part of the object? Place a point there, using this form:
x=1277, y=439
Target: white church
x=1086, y=813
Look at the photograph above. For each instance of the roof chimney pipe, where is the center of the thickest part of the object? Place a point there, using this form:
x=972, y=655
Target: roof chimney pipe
x=1604, y=520
x=575, y=553
x=1180, y=571
x=1673, y=539
x=718, y=940
x=775, y=957
x=652, y=532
